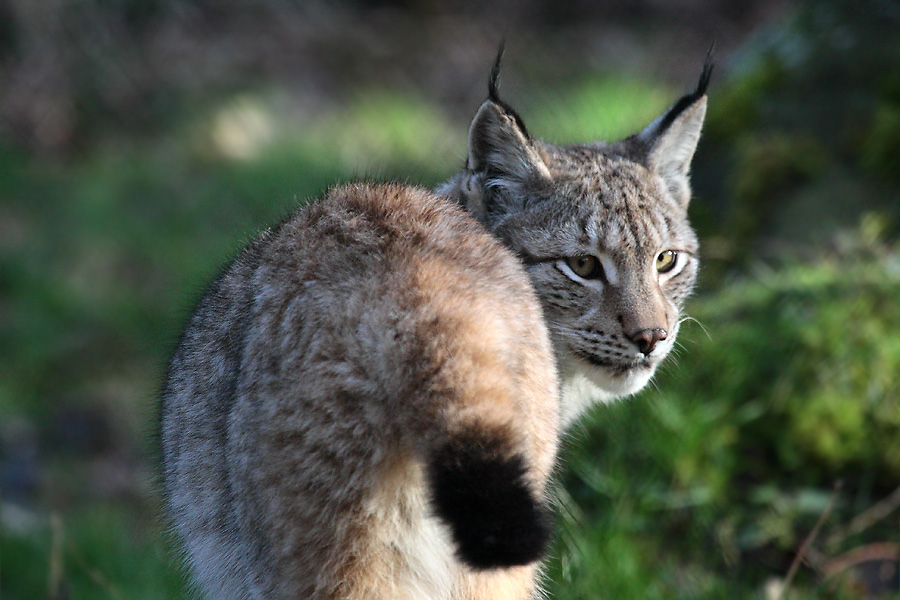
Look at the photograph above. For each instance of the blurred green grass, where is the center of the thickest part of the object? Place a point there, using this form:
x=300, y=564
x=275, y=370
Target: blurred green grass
x=700, y=488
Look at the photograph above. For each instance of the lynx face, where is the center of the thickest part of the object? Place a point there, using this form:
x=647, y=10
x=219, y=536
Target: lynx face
x=603, y=232
x=612, y=272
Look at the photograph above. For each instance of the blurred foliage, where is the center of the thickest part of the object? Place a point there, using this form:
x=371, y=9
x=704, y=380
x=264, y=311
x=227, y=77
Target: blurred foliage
x=77, y=71
x=95, y=553
x=806, y=137
x=599, y=108
x=723, y=470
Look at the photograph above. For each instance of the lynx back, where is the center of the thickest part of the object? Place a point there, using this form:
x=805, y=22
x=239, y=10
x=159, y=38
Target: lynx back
x=364, y=405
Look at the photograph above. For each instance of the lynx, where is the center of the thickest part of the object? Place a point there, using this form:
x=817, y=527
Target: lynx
x=368, y=402
x=602, y=231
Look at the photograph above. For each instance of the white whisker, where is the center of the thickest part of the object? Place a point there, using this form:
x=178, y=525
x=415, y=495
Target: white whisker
x=702, y=327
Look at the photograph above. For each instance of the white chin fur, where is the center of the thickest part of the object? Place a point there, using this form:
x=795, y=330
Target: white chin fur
x=584, y=386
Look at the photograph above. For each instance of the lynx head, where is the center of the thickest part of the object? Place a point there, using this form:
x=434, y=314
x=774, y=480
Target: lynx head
x=603, y=232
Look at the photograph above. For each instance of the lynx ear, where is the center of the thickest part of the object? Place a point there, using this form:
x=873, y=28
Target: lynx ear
x=670, y=141
x=499, y=145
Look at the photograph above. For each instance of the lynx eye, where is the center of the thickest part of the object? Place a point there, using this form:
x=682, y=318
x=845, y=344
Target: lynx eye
x=586, y=267
x=666, y=261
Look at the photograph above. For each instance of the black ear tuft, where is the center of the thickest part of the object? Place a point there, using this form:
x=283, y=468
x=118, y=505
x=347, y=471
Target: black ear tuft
x=494, y=80
x=688, y=100
x=706, y=74
x=494, y=90
x=667, y=145
x=479, y=489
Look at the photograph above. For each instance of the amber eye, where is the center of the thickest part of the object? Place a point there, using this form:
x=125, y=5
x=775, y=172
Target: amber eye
x=586, y=267
x=666, y=261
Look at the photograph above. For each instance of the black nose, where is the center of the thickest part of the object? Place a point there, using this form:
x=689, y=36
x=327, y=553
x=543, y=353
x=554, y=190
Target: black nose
x=646, y=339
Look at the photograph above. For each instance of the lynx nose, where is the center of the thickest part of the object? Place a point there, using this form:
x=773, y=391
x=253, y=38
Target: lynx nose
x=646, y=339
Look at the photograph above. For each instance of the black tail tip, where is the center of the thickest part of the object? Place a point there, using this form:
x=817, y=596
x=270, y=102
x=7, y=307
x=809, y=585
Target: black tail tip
x=511, y=541
x=480, y=491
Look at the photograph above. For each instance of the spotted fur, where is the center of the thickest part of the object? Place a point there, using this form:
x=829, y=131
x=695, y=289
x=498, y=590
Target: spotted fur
x=366, y=403
x=364, y=406
x=624, y=204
